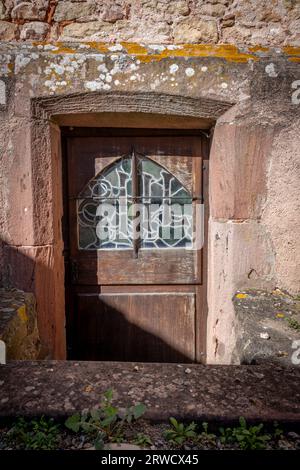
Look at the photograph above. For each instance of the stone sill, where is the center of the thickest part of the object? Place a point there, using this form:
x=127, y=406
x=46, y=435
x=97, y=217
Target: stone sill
x=189, y=392
x=264, y=330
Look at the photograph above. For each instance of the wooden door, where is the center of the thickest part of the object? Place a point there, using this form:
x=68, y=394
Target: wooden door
x=136, y=268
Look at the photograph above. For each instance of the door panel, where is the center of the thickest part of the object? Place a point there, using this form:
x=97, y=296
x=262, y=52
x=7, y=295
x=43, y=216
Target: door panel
x=108, y=267
x=85, y=153
x=137, y=326
x=141, y=302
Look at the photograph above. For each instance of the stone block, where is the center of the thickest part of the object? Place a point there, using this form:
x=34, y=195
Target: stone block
x=7, y=31
x=239, y=157
x=282, y=206
x=18, y=325
x=41, y=270
x=240, y=255
x=213, y=9
x=112, y=13
x=195, y=30
x=34, y=10
x=2, y=93
x=79, y=11
x=16, y=211
x=3, y=13
x=34, y=30
x=78, y=31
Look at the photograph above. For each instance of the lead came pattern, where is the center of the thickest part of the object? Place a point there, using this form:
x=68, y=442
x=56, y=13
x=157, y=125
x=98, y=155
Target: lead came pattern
x=106, y=191
x=107, y=210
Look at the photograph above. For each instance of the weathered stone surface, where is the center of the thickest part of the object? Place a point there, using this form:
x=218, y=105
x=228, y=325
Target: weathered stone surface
x=269, y=34
x=155, y=10
x=263, y=329
x=18, y=325
x=77, y=31
x=3, y=14
x=29, y=10
x=249, y=22
x=294, y=37
x=240, y=255
x=81, y=11
x=16, y=217
x=195, y=30
x=2, y=93
x=282, y=205
x=34, y=30
x=31, y=268
x=260, y=393
x=151, y=103
x=213, y=9
x=245, y=149
x=236, y=34
x=7, y=30
x=112, y=12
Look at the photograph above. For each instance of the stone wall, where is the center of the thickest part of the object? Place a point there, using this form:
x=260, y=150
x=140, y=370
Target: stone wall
x=251, y=22
x=76, y=62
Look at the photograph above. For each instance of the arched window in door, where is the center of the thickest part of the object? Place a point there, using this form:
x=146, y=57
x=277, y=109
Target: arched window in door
x=135, y=203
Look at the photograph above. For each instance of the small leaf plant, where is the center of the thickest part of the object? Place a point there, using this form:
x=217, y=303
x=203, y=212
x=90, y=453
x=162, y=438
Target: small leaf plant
x=106, y=423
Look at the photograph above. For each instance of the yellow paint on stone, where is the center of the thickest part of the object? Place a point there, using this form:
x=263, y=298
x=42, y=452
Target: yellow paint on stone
x=292, y=51
x=259, y=49
x=99, y=46
x=241, y=296
x=134, y=48
x=280, y=315
x=22, y=313
x=228, y=52
x=61, y=48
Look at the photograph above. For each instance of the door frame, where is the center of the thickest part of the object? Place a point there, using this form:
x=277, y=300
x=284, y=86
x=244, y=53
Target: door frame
x=201, y=289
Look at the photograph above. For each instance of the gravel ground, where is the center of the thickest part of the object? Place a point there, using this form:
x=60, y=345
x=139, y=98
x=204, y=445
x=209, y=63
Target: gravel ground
x=68, y=440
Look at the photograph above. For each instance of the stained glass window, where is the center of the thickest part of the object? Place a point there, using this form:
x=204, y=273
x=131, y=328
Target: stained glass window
x=134, y=202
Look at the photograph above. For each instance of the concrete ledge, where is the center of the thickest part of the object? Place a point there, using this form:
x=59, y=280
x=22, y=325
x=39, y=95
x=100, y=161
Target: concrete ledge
x=265, y=327
x=217, y=393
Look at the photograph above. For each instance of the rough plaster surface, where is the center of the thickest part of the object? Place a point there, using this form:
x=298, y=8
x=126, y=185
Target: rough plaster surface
x=250, y=22
x=281, y=212
x=251, y=94
x=239, y=256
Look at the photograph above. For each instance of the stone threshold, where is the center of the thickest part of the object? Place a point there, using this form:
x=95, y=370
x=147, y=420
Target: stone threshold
x=265, y=392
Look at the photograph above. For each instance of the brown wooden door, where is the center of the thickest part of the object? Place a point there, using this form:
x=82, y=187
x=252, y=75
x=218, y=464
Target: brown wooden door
x=135, y=289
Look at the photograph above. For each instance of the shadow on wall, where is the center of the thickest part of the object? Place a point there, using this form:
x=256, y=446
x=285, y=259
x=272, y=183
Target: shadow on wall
x=99, y=332
x=19, y=266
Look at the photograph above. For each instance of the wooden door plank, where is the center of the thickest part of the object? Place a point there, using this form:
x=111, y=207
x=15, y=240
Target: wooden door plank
x=137, y=327
x=160, y=266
